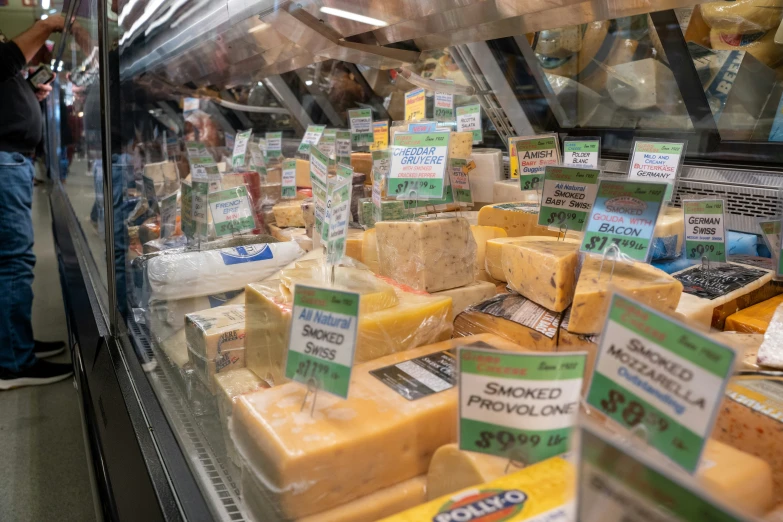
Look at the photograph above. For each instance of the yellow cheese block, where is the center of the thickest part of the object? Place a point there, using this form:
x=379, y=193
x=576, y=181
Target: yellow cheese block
x=493, y=257
x=744, y=16
x=452, y=469
x=289, y=214
x=216, y=341
x=349, y=448
x=362, y=163
x=517, y=219
x=542, y=270
x=544, y=488
x=353, y=244
x=467, y=295
x=418, y=319
x=571, y=342
x=755, y=319
x=230, y=385
x=382, y=503
x=431, y=254
x=481, y=235
x=738, y=478
x=512, y=317
x=303, y=173
x=640, y=281
x=287, y=234
x=460, y=145
x=370, y=251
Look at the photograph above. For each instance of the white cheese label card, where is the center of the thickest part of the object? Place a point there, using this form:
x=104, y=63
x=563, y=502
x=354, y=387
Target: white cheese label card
x=312, y=137
x=418, y=165
x=343, y=146
x=567, y=197
x=289, y=179
x=319, y=170
x=658, y=161
x=469, y=120
x=460, y=184
x=705, y=234
x=582, y=152
x=444, y=103
x=231, y=211
x=240, y=149
x=361, y=126
x=274, y=144
x=522, y=406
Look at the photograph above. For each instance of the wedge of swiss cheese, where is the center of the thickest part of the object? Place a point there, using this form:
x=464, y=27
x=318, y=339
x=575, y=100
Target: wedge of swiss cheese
x=517, y=219
x=481, y=235
x=470, y=294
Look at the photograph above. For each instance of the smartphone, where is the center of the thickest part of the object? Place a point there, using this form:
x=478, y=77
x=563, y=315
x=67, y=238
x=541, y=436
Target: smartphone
x=41, y=76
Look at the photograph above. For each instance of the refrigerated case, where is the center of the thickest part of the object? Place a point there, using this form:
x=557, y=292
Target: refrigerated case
x=153, y=77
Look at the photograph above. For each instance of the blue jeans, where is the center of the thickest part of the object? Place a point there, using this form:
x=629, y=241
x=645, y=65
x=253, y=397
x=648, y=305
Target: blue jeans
x=16, y=261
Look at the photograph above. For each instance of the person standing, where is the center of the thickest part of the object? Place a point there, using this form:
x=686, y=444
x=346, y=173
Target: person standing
x=21, y=130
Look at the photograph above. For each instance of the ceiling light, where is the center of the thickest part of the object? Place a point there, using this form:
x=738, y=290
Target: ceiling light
x=44, y=16
x=81, y=115
x=308, y=82
x=353, y=16
x=260, y=84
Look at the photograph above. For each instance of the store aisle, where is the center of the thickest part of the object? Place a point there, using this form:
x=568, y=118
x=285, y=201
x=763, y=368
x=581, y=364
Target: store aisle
x=43, y=471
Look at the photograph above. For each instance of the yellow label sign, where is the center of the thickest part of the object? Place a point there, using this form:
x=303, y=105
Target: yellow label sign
x=415, y=105
x=380, y=132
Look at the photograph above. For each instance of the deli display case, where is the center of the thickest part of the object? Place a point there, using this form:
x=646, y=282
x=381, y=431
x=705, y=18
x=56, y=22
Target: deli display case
x=292, y=229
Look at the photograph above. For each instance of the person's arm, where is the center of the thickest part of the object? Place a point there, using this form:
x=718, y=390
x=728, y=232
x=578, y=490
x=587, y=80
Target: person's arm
x=30, y=41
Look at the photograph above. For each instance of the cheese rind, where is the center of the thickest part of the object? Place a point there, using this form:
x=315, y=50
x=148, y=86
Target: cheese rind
x=517, y=219
x=303, y=173
x=429, y=255
x=481, y=235
x=289, y=214
x=347, y=448
x=493, y=257
x=465, y=296
x=754, y=319
x=452, y=469
x=228, y=386
x=640, y=281
x=216, y=341
x=370, y=251
x=543, y=271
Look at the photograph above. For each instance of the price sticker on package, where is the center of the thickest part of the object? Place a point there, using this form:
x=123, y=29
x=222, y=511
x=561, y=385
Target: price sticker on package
x=530, y=156
x=240, y=149
x=274, y=144
x=582, y=152
x=660, y=378
x=322, y=339
x=418, y=165
x=521, y=406
x=443, y=107
x=657, y=161
x=705, y=234
x=567, y=197
x=312, y=137
x=380, y=130
x=343, y=146
x=361, y=126
x=415, y=105
x=624, y=214
x=231, y=211
x=289, y=179
x=469, y=120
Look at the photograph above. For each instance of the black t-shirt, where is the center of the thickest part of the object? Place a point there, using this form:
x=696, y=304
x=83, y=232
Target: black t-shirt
x=21, y=122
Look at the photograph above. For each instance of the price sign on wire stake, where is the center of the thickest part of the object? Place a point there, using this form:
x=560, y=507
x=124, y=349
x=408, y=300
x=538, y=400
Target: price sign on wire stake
x=312, y=137
x=361, y=126
x=274, y=144
x=705, y=233
x=581, y=152
x=660, y=378
x=343, y=146
x=657, y=161
x=231, y=211
x=469, y=120
x=568, y=196
x=380, y=130
x=770, y=232
x=289, y=179
x=240, y=149
x=415, y=105
x=529, y=155
x=443, y=108
x=168, y=215
x=624, y=213
x=522, y=406
x=419, y=165
x=322, y=339
x=460, y=184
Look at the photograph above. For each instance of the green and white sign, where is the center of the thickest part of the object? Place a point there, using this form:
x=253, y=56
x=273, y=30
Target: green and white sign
x=322, y=339
x=312, y=137
x=328, y=145
x=200, y=208
x=529, y=155
x=656, y=374
x=334, y=189
x=567, y=196
x=231, y=211
x=186, y=211
x=443, y=108
x=198, y=153
x=770, y=231
x=469, y=120
x=289, y=179
x=274, y=144
x=418, y=165
x=168, y=215
x=622, y=482
x=705, y=232
x=518, y=405
x=339, y=211
x=460, y=184
x=257, y=161
x=361, y=126
x=240, y=148
x=657, y=161
x=583, y=152
x=343, y=146
x=319, y=171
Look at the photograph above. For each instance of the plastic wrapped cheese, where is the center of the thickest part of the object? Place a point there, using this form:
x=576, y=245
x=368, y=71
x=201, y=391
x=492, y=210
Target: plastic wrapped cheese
x=452, y=469
x=759, y=44
x=362, y=162
x=229, y=385
x=517, y=219
x=742, y=16
x=428, y=254
x=481, y=235
x=370, y=251
x=216, y=341
x=385, y=432
x=289, y=214
x=771, y=350
x=460, y=145
x=754, y=319
x=465, y=296
x=669, y=234
x=488, y=171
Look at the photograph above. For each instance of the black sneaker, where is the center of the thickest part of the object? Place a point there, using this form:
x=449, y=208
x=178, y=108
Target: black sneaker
x=43, y=349
x=42, y=372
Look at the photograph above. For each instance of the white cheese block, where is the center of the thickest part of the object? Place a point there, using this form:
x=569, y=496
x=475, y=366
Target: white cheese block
x=216, y=341
x=467, y=295
x=489, y=169
x=508, y=190
x=230, y=385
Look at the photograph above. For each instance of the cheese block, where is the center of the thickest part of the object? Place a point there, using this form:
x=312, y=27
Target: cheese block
x=751, y=420
x=228, y=386
x=431, y=254
x=353, y=244
x=176, y=348
x=669, y=234
x=493, y=257
x=382, y=503
x=710, y=296
x=303, y=173
x=289, y=214
x=460, y=145
x=739, y=478
x=488, y=171
x=481, y=235
x=465, y=296
x=760, y=44
x=746, y=346
x=543, y=491
x=517, y=219
x=743, y=16
x=544, y=271
x=512, y=317
x=510, y=190
x=572, y=342
x=370, y=251
x=418, y=319
x=452, y=469
x=640, y=281
x=288, y=234
x=754, y=319
x=216, y=341
x=362, y=163
x=385, y=432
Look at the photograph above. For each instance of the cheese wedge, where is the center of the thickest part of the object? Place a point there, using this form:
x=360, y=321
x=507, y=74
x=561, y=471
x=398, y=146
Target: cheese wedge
x=460, y=145
x=544, y=271
x=303, y=173
x=746, y=346
x=465, y=296
x=493, y=257
x=346, y=449
x=353, y=244
x=640, y=281
x=216, y=341
x=754, y=319
x=517, y=219
x=511, y=317
x=416, y=320
x=510, y=190
x=370, y=251
x=362, y=163
x=289, y=214
x=230, y=385
x=452, y=469
x=431, y=255
x=481, y=235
